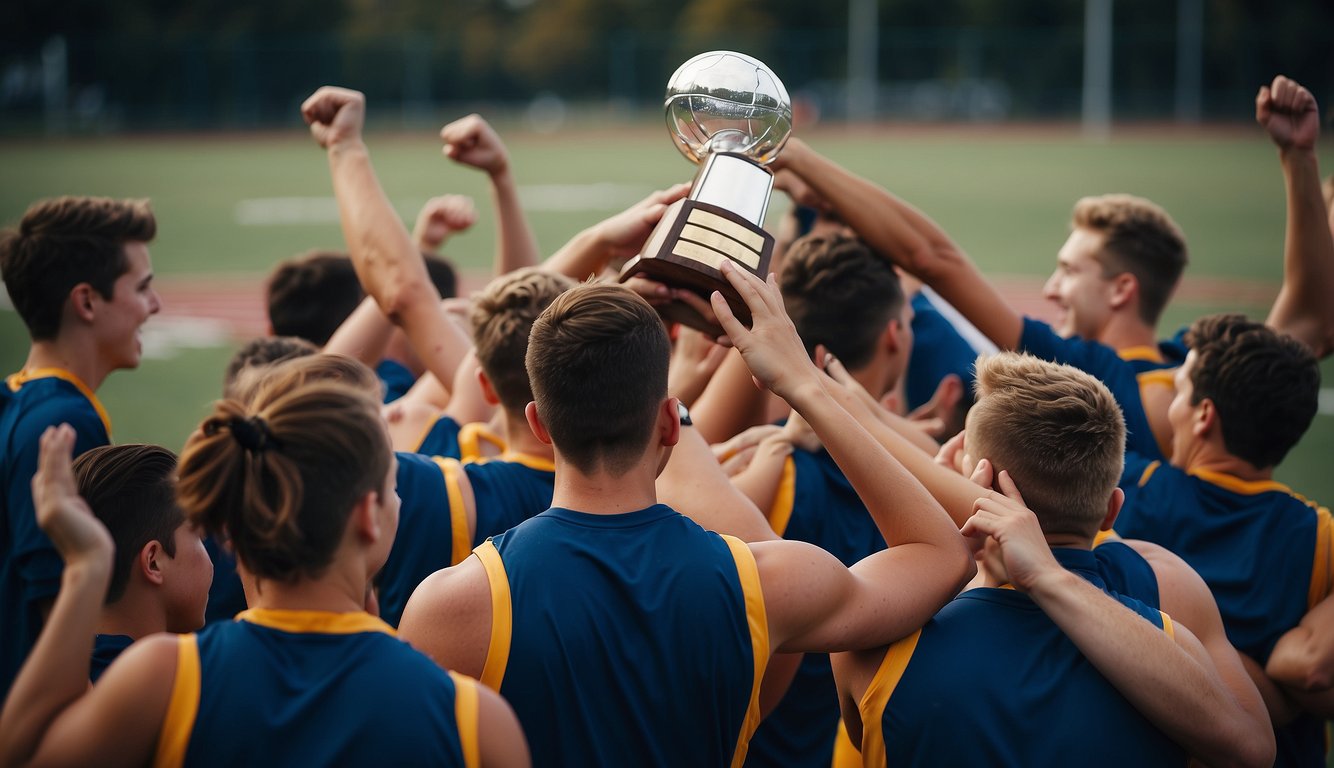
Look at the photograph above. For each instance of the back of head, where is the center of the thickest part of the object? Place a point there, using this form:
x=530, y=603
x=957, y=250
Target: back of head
x=132, y=490
x=502, y=315
x=1139, y=238
x=279, y=476
x=1265, y=385
x=442, y=274
x=65, y=241
x=260, y=352
x=597, y=359
x=840, y=294
x=297, y=372
x=1058, y=432
x=311, y=295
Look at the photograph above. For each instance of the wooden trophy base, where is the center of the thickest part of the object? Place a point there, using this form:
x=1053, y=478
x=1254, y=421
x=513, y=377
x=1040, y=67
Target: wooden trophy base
x=685, y=251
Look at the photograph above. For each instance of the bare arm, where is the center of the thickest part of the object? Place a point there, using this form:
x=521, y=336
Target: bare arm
x=387, y=262
x=1289, y=114
x=905, y=235
x=818, y=604
x=1170, y=679
x=472, y=141
x=694, y=484
x=618, y=237
x=499, y=736
x=364, y=335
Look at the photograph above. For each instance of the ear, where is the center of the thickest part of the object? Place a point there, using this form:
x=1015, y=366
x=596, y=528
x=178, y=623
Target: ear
x=364, y=520
x=1124, y=290
x=488, y=391
x=1205, y=419
x=150, y=563
x=889, y=338
x=1114, y=503
x=669, y=422
x=81, y=301
x=535, y=423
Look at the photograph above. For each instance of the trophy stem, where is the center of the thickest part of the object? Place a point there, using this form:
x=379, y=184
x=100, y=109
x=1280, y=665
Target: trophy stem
x=735, y=183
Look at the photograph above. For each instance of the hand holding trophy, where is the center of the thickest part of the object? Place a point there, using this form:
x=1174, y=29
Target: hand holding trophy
x=728, y=113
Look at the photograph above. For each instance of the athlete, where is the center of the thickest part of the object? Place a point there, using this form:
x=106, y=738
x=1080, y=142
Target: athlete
x=301, y=482
x=78, y=272
x=161, y=573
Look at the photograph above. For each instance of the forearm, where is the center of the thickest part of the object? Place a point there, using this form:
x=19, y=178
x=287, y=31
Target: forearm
x=1175, y=689
x=516, y=246
x=730, y=402
x=1303, y=658
x=1302, y=307
x=364, y=335
x=56, y=672
x=583, y=256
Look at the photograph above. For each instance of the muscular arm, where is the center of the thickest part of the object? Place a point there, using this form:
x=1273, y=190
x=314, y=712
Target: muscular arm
x=900, y=232
x=694, y=484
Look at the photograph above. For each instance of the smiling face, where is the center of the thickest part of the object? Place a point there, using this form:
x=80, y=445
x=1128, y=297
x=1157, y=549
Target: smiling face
x=120, y=319
x=1079, y=288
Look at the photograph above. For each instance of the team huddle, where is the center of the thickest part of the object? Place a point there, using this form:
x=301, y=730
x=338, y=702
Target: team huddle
x=888, y=521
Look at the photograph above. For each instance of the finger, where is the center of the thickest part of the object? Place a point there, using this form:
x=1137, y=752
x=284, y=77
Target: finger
x=1006, y=485
x=982, y=474
x=732, y=327
x=745, y=284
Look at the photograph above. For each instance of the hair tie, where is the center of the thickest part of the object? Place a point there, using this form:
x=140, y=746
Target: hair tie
x=252, y=434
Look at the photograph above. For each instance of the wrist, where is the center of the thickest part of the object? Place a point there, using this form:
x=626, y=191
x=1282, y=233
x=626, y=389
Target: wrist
x=346, y=147
x=1049, y=583
x=88, y=567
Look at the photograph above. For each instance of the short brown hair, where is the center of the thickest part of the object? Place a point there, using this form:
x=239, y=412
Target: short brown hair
x=1058, y=432
x=263, y=351
x=502, y=315
x=1265, y=385
x=279, y=476
x=840, y=294
x=312, y=294
x=132, y=490
x=1140, y=238
x=597, y=359
x=65, y=241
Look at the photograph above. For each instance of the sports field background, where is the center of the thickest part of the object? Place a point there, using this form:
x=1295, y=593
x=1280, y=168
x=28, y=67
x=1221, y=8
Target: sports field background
x=229, y=207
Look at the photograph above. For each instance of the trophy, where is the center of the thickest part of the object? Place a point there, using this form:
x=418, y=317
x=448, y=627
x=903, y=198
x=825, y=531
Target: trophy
x=730, y=115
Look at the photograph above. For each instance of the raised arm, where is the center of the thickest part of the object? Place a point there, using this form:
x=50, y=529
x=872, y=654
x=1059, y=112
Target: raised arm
x=618, y=237
x=905, y=235
x=442, y=217
x=1290, y=116
x=388, y=264
x=473, y=142
x=694, y=484
x=1167, y=676
x=821, y=604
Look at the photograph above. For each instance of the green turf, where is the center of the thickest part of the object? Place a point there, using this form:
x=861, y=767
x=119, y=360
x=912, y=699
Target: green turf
x=1005, y=199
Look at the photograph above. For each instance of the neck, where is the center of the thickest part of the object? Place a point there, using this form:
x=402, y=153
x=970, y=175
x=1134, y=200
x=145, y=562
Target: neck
x=519, y=437
x=136, y=615
x=1206, y=457
x=873, y=379
x=1126, y=331
x=1068, y=541
x=600, y=493
x=69, y=354
x=336, y=591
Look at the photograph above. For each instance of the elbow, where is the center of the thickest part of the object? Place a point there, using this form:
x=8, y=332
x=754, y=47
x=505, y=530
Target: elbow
x=398, y=300
x=1259, y=751
x=966, y=566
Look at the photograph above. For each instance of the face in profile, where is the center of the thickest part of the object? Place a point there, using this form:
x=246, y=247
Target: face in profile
x=121, y=318
x=1079, y=288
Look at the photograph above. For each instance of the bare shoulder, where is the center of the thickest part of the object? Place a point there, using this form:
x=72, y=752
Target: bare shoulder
x=449, y=617
x=1181, y=592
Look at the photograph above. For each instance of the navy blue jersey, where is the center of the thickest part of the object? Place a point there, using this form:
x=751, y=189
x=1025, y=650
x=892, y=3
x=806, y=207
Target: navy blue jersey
x=630, y=639
x=396, y=378
x=226, y=598
x=433, y=523
x=938, y=350
x=991, y=680
x=816, y=504
x=314, y=689
x=446, y=437
x=1102, y=362
x=105, y=650
x=1265, y=552
x=30, y=567
x=1168, y=353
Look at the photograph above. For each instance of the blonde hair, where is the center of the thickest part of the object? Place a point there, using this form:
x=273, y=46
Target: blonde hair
x=279, y=476
x=502, y=316
x=1058, y=432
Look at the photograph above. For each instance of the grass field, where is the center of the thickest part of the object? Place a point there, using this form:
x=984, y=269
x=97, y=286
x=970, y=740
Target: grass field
x=1005, y=197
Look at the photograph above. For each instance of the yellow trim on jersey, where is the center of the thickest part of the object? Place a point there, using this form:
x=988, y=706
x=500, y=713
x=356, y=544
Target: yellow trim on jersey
x=1102, y=537
x=416, y=446
x=846, y=754
x=17, y=380
x=1168, y=626
x=502, y=616
x=539, y=463
x=458, y=514
x=465, y=715
x=877, y=695
x=1162, y=377
x=1322, y=569
x=315, y=622
x=1237, y=485
x=183, y=706
x=470, y=442
x=780, y=514
x=1152, y=354
x=758, y=620
x=1148, y=473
